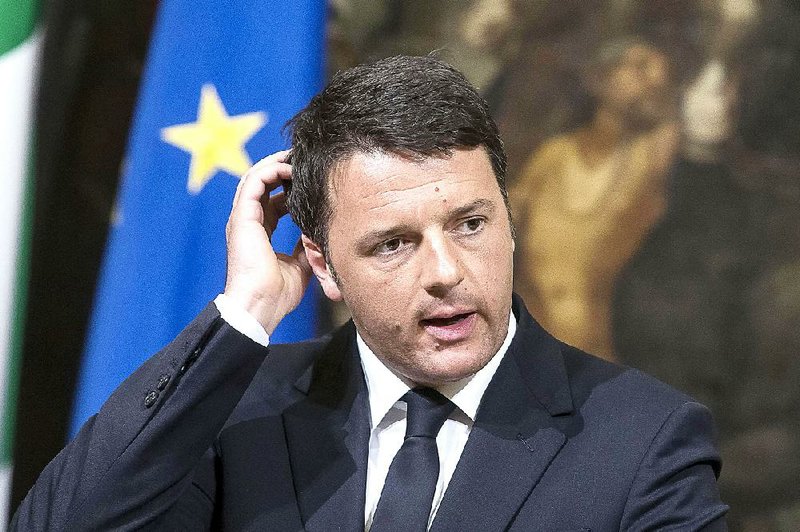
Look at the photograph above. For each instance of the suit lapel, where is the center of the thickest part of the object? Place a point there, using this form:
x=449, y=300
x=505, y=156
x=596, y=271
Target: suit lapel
x=328, y=439
x=515, y=437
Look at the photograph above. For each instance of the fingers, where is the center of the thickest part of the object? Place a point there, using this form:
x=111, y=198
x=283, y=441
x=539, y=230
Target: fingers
x=269, y=171
x=252, y=202
x=277, y=157
x=277, y=203
x=274, y=207
x=258, y=182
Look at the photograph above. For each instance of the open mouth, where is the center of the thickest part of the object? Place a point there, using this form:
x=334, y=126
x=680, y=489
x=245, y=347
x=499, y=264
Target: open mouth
x=445, y=322
x=451, y=329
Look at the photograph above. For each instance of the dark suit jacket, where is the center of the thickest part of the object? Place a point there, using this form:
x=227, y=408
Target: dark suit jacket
x=240, y=440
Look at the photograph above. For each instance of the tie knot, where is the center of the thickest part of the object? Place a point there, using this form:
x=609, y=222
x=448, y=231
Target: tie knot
x=427, y=412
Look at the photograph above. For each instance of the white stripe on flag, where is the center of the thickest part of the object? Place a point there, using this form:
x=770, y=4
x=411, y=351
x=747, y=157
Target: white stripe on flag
x=5, y=488
x=17, y=76
x=18, y=72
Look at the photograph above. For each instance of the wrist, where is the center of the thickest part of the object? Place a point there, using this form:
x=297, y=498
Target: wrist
x=241, y=320
x=264, y=310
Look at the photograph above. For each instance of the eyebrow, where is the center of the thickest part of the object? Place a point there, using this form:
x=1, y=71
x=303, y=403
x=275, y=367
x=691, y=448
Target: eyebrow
x=478, y=204
x=380, y=235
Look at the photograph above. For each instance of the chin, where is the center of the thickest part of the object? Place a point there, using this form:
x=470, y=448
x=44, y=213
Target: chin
x=455, y=370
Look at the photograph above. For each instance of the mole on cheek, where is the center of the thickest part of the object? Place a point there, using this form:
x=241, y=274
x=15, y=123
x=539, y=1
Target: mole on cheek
x=436, y=189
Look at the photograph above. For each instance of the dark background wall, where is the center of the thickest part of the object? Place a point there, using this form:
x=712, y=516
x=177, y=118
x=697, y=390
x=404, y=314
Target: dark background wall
x=93, y=57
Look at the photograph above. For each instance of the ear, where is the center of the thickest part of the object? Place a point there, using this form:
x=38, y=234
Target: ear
x=316, y=259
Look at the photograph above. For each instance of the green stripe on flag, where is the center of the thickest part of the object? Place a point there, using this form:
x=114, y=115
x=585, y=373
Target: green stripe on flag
x=18, y=319
x=17, y=20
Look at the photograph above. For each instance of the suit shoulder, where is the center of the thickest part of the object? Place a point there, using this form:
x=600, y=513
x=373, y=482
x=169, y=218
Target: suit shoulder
x=594, y=380
x=626, y=412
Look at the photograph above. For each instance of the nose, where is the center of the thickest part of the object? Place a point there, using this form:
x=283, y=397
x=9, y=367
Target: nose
x=441, y=268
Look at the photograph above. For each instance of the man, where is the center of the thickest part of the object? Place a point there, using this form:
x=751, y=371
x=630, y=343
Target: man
x=587, y=199
x=397, y=182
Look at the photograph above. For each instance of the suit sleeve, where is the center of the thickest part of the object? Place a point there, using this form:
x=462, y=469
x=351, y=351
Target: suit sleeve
x=141, y=459
x=675, y=487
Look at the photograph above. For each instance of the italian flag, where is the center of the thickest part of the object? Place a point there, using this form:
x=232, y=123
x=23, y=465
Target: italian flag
x=20, y=43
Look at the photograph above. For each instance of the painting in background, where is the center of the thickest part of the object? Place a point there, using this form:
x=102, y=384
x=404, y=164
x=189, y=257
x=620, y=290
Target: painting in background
x=654, y=168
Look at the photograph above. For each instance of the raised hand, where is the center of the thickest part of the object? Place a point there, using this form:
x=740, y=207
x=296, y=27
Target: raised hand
x=267, y=284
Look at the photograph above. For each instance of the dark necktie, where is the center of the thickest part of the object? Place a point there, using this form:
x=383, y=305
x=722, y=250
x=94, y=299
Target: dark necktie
x=407, y=496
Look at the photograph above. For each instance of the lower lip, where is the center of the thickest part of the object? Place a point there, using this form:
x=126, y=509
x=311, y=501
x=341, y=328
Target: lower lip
x=454, y=332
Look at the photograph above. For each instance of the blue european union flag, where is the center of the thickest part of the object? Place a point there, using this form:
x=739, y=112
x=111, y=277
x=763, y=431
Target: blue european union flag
x=221, y=80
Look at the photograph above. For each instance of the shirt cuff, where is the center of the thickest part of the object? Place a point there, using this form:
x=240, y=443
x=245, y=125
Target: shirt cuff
x=241, y=320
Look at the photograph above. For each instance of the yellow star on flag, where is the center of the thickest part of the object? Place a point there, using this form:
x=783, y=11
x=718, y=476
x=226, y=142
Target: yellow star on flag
x=216, y=140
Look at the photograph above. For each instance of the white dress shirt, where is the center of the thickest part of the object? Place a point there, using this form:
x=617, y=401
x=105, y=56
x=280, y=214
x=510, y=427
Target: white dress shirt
x=388, y=420
x=241, y=320
x=388, y=413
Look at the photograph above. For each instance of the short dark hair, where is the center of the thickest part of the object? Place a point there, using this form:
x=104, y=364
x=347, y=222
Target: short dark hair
x=410, y=106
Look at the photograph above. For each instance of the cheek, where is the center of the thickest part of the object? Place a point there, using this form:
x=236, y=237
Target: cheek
x=496, y=276
x=379, y=302
x=495, y=258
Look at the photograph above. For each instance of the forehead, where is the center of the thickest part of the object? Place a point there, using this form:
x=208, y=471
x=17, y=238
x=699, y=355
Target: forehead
x=379, y=179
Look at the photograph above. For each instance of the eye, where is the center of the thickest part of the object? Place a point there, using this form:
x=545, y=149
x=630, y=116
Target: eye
x=471, y=225
x=388, y=247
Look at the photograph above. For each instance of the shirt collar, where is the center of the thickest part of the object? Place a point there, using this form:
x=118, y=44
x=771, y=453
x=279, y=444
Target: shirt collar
x=386, y=387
